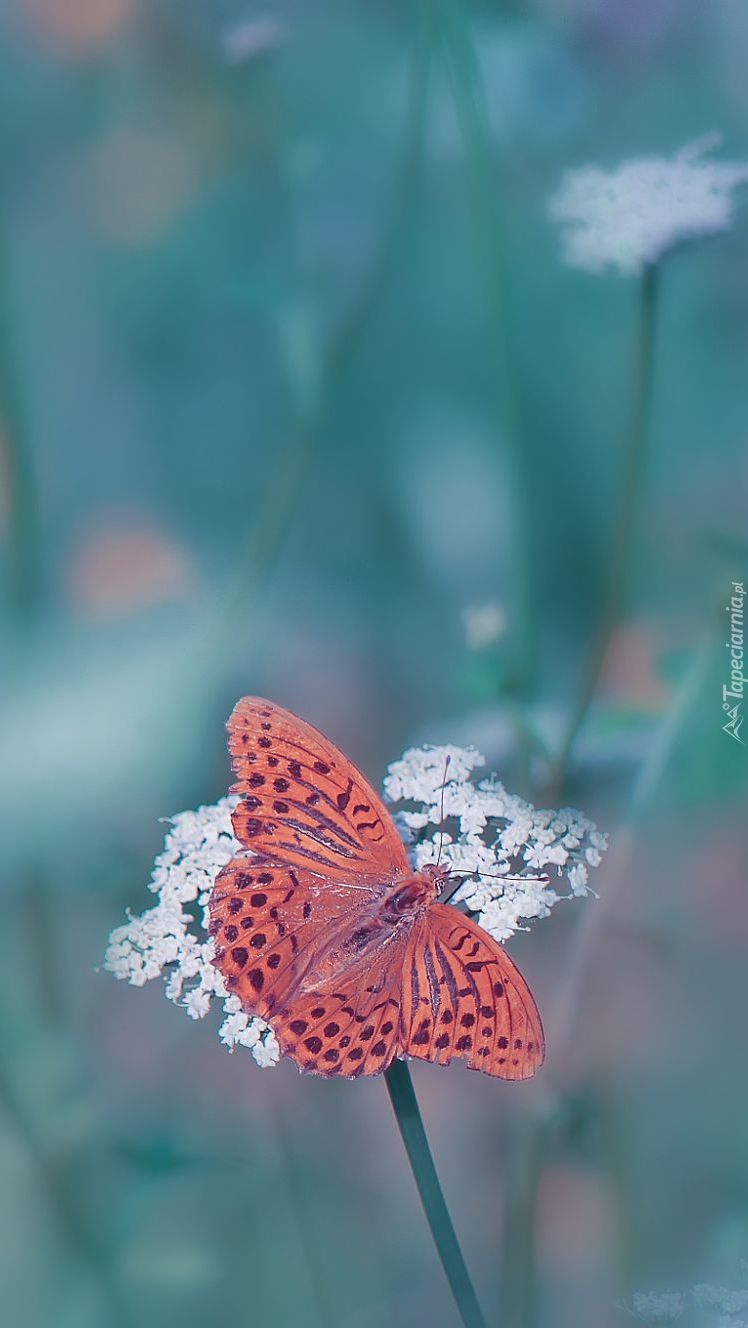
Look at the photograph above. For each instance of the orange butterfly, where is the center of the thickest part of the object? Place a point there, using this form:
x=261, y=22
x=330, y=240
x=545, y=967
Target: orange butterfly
x=324, y=929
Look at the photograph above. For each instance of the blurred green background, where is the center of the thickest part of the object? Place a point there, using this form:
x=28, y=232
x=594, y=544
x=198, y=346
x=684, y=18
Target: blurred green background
x=291, y=375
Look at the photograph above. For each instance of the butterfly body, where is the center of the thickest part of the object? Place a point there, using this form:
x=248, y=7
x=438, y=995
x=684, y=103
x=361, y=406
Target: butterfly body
x=386, y=922
x=323, y=928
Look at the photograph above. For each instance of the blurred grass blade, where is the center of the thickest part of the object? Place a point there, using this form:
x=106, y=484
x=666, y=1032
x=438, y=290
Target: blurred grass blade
x=624, y=529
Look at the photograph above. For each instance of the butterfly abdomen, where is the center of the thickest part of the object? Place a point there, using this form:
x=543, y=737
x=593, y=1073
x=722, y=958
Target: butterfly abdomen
x=362, y=936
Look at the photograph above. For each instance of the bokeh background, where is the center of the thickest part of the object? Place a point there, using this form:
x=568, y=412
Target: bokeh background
x=291, y=376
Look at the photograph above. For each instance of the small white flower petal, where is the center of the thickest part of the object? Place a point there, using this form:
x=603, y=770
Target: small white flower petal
x=266, y=1051
x=197, y=1003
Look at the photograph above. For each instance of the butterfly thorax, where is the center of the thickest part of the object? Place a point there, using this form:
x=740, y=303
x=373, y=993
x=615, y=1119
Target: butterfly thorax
x=414, y=893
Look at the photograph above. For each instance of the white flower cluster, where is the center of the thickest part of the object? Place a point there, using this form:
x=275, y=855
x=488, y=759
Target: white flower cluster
x=509, y=850
x=500, y=840
x=629, y=217
x=723, y=1307
x=172, y=938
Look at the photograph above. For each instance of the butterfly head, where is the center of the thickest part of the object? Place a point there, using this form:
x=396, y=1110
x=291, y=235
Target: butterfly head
x=437, y=876
x=417, y=891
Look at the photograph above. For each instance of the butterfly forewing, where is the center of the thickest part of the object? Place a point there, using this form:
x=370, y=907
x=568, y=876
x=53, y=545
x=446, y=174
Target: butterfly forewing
x=303, y=802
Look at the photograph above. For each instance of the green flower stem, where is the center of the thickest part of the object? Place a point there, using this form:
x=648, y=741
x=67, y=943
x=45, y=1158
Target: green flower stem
x=547, y=1104
x=625, y=525
x=23, y=528
x=306, y=432
x=520, y=1206
x=54, y=1170
x=405, y=1105
x=484, y=183
x=620, y=860
x=616, y=1162
x=244, y=592
x=54, y=1175
x=306, y=1233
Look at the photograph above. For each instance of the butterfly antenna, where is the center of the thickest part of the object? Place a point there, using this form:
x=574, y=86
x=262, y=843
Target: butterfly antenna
x=459, y=879
x=441, y=811
x=508, y=876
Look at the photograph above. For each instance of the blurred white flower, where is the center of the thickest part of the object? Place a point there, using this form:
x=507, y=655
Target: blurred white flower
x=720, y=1304
x=484, y=624
x=720, y=1298
x=654, y=1307
x=252, y=37
x=507, y=848
x=629, y=217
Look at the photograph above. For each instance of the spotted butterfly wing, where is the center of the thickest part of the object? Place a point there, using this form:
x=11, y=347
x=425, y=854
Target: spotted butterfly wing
x=324, y=851
x=303, y=803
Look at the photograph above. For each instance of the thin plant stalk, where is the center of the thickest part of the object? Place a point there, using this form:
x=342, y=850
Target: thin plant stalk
x=620, y=859
x=304, y=437
x=54, y=1178
x=624, y=531
x=534, y=1127
x=23, y=526
x=483, y=172
x=518, y=1264
x=616, y=1161
x=306, y=1236
x=305, y=433
x=54, y=1173
x=405, y=1105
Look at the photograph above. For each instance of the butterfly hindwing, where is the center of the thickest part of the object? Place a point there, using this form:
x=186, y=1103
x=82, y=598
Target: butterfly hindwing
x=463, y=997
x=303, y=802
x=290, y=946
x=350, y=1026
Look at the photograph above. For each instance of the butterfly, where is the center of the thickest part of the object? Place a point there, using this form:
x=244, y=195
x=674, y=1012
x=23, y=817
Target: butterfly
x=323, y=929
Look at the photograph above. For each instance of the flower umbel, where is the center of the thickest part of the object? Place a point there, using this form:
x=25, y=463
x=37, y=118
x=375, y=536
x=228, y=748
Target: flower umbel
x=510, y=852
x=629, y=217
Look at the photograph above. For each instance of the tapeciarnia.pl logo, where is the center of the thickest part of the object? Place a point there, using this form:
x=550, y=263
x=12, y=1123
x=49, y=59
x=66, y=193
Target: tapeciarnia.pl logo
x=732, y=694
